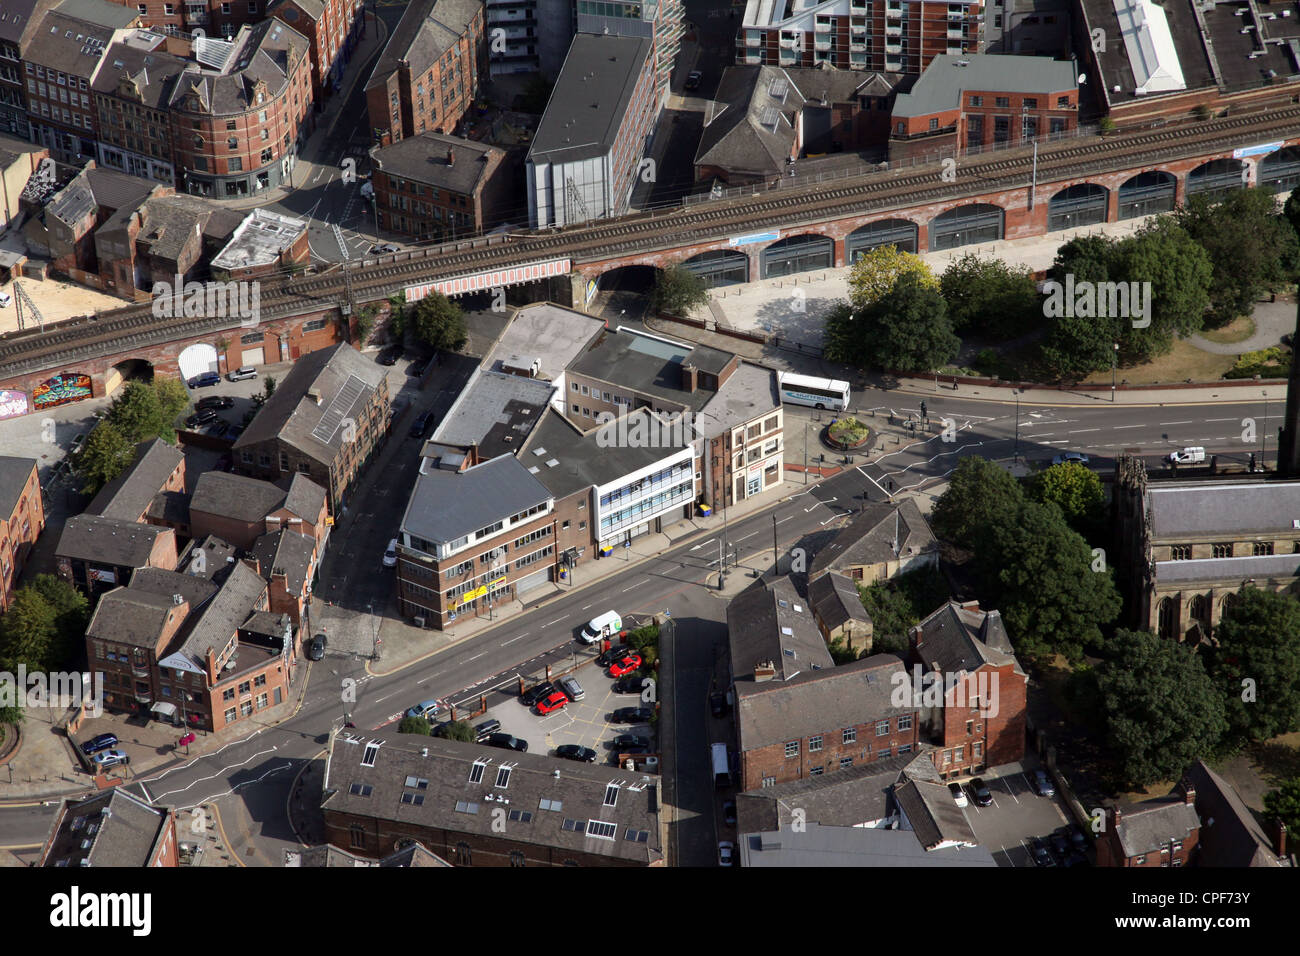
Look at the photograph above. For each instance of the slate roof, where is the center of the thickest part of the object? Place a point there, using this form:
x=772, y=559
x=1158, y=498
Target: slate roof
x=291, y=416
x=423, y=158
x=579, y=788
x=196, y=589
x=1240, y=568
x=218, y=558
x=427, y=30
x=328, y=855
x=757, y=621
x=94, y=21
x=932, y=814
x=492, y=407
x=818, y=845
x=817, y=702
x=235, y=496
x=954, y=639
x=650, y=363
x=1208, y=509
x=868, y=538
x=229, y=608
x=746, y=128
x=591, y=97
x=14, y=473
x=171, y=507
x=108, y=541
x=127, y=831
x=1144, y=827
x=835, y=600
x=129, y=495
x=260, y=52
x=129, y=615
x=153, y=73
x=944, y=81
x=1230, y=835
x=843, y=798
x=18, y=18
x=305, y=498
x=446, y=505
x=288, y=551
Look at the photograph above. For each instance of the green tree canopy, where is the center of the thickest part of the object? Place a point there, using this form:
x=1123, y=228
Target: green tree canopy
x=899, y=603
x=678, y=291
x=461, y=730
x=413, y=725
x=71, y=615
x=1162, y=710
x=144, y=411
x=28, y=631
x=980, y=496
x=1077, y=491
x=1179, y=271
x=873, y=277
x=1284, y=802
x=438, y=322
x=1256, y=665
x=987, y=296
x=105, y=455
x=909, y=330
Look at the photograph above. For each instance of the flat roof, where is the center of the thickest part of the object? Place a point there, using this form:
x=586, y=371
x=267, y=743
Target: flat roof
x=446, y=505
x=1149, y=44
x=748, y=392
x=944, y=81
x=495, y=411
x=259, y=240
x=549, y=333
x=650, y=363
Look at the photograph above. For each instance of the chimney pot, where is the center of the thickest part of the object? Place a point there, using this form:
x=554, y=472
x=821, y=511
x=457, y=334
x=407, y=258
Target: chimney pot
x=451, y=156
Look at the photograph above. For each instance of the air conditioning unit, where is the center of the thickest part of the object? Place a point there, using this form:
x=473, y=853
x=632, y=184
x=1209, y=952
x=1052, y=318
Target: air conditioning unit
x=418, y=621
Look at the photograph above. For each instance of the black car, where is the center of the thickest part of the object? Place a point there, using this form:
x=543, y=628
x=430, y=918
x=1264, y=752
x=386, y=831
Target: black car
x=199, y=419
x=316, y=649
x=574, y=752
x=1038, y=850
x=1078, y=839
x=95, y=744
x=390, y=356
x=693, y=80
x=629, y=685
x=1060, y=841
x=729, y=813
x=630, y=743
x=979, y=792
x=416, y=369
x=615, y=653
x=507, y=742
x=631, y=715
x=530, y=697
x=214, y=402
x=421, y=425
x=718, y=704
x=486, y=729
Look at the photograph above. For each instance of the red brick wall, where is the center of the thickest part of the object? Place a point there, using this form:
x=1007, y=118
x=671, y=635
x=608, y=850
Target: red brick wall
x=772, y=761
x=18, y=533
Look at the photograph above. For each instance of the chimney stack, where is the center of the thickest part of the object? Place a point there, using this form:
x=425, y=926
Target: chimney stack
x=451, y=156
x=690, y=378
x=1279, y=838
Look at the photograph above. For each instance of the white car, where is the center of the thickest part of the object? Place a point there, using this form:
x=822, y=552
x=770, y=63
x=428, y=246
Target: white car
x=958, y=795
x=390, y=555
x=241, y=373
x=110, y=758
x=726, y=852
x=5, y=299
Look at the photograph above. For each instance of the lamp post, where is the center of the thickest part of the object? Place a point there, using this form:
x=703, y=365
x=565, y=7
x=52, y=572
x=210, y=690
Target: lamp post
x=1114, y=364
x=1263, y=435
x=1016, y=458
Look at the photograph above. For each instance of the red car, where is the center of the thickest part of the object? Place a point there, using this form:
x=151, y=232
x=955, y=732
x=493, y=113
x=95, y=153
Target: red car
x=552, y=702
x=627, y=665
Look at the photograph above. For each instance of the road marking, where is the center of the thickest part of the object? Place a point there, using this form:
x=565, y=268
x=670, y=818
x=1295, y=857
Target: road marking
x=556, y=621
x=1079, y=431
x=1188, y=422
x=475, y=657
x=637, y=585
x=829, y=520
x=380, y=700
x=1118, y=427
x=750, y=535
x=513, y=639
x=1041, y=435
x=586, y=606
x=785, y=519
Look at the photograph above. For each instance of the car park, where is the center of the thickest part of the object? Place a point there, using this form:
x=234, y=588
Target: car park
x=425, y=709
x=390, y=554
x=630, y=743
x=629, y=685
x=416, y=369
x=1070, y=458
x=1074, y=833
x=535, y=693
x=242, y=373
x=572, y=689
x=204, y=379
x=1060, y=843
x=631, y=715
x=625, y=665
x=1075, y=858
x=214, y=402
x=725, y=852
x=95, y=744
x=507, y=742
x=979, y=792
x=552, y=702
x=1043, y=784
x=110, y=758
x=486, y=729
x=1038, y=851
x=607, y=657
x=316, y=649
x=958, y=795
x=574, y=752
x=199, y=419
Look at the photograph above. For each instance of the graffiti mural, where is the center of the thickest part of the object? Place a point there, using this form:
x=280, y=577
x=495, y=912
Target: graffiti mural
x=13, y=404
x=61, y=389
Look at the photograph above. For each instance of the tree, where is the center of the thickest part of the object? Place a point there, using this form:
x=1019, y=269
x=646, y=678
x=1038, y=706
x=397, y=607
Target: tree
x=413, y=725
x=1078, y=345
x=268, y=386
x=1039, y=574
x=1162, y=710
x=896, y=605
x=980, y=495
x=1283, y=803
x=461, y=730
x=438, y=322
x=105, y=455
x=909, y=330
x=874, y=276
x=1077, y=491
x=27, y=631
x=1179, y=271
x=677, y=291
x=144, y=411
x=1252, y=249
x=71, y=615
x=990, y=296
x=365, y=323
x=1259, y=643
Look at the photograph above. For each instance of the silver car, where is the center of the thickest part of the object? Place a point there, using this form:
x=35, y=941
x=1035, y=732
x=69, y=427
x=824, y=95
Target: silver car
x=572, y=689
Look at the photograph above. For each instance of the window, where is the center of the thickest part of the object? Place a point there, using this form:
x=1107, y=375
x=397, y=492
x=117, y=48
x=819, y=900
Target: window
x=1140, y=861
x=814, y=744
x=977, y=101
x=230, y=715
x=611, y=795
x=464, y=857
x=476, y=772
x=521, y=816
x=1180, y=552
x=905, y=722
x=503, y=777
x=371, y=752
x=816, y=771
x=516, y=858
x=1002, y=102
x=464, y=806
x=416, y=799
x=1263, y=548
x=934, y=124
x=1062, y=102
x=884, y=754
x=358, y=836
x=361, y=790
x=792, y=748
x=1221, y=550
x=850, y=735
x=601, y=830
x=555, y=806
x=236, y=164
x=846, y=763
x=315, y=325
x=882, y=727
x=769, y=781
x=1030, y=103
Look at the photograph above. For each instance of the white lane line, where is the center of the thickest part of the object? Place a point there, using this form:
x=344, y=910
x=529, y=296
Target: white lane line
x=1118, y=427
x=828, y=520
x=784, y=519
x=637, y=585
x=1189, y=422
x=1041, y=435
x=750, y=535
x=519, y=638
x=1056, y=441
x=1223, y=420
x=1079, y=431
x=872, y=480
x=380, y=700
x=475, y=657
x=586, y=606
x=556, y=621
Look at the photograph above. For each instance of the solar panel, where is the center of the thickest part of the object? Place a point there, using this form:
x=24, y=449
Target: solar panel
x=343, y=401
x=770, y=117
x=212, y=52
x=778, y=87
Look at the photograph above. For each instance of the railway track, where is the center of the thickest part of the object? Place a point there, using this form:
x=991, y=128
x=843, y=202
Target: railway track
x=136, y=325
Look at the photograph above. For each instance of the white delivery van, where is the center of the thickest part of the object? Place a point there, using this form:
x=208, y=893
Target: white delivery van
x=1188, y=455
x=601, y=626
x=721, y=768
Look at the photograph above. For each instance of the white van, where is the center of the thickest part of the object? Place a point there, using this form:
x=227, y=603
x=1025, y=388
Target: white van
x=1187, y=456
x=604, y=625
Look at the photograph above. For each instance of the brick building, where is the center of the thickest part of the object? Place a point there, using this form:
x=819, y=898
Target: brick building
x=380, y=795
x=215, y=18
x=240, y=510
x=427, y=76
x=114, y=828
x=1153, y=833
x=431, y=186
x=797, y=714
x=18, y=161
x=16, y=32
x=139, y=493
x=22, y=518
x=325, y=421
x=880, y=541
x=130, y=100
x=332, y=28
x=97, y=554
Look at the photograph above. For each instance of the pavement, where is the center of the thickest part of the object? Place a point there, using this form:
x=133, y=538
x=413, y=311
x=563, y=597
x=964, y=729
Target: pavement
x=1272, y=321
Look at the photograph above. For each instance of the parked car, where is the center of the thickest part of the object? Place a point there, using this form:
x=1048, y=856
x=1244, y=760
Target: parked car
x=718, y=704
x=199, y=419
x=421, y=425
x=1043, y=784
x=5, y=299
x=95, y=744
x=631, y=715
x=507, y=742
x=533, y=694
x=390, y=554
x=382, y=248
x=556, y=700
x=958, y=795
x=110, y=758
x=574, y=752
x=569, y=684
x=389, y=356
x=204, y=379
x=425, y=708
x=725, y=852
x=729, y=813
x=214, y=402
x=630, y=743
x=242, y=373
x=1070, y=458
x=1038, y=850
x=486, y=729
x=1188, y=456
x=615, y=653
x=629, y=685
x=1078, y=839
x=316, y=649
x=1060, y=842
x=693, y=79
x=1075, y=858
x=417, y=369
x=980, y=793
x=625, y=665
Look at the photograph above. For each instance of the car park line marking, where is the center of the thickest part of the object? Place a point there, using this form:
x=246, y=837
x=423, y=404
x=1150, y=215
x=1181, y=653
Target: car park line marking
x=828, y=520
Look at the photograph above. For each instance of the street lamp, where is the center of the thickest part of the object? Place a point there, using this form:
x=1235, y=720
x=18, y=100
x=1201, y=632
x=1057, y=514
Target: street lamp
x=1263, y=435
x=1016, y=458
x=1114, y=363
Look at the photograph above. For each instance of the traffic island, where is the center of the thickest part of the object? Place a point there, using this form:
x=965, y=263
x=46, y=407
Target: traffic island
x=846, y=435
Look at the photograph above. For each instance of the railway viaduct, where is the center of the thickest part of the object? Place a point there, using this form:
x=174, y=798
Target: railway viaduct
x=774, y=232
